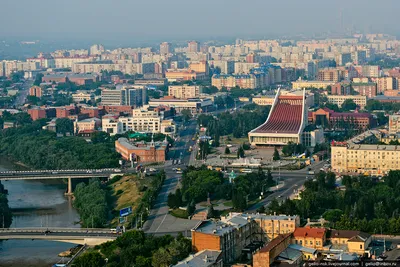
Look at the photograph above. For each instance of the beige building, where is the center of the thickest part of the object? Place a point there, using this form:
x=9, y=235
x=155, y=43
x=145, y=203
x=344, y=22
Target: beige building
x=82, y=96
x=90, y=124
x=141, y=121
x=244, y=67
x=184, y=91
x=300, y=84
x=125, y=66
x=385, y=83
x=264, y=100
x=270, y=225
x=394, y=124
x=360, y=101
x=356, y=157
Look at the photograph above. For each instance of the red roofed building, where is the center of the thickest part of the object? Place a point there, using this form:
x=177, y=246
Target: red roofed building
x=338, y=120
x=285, y=123
x=309, y=237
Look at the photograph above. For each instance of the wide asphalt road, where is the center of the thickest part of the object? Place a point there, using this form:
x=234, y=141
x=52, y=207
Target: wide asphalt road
x=292, y=180
x=159, y=221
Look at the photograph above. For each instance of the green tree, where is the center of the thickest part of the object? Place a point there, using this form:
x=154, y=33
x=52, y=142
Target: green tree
x=348, y=105
x=89, y=259
x=186, y=114
x=191, y=208
x=5, y=212
x=276, y=155
x=240, y=152
x=64, y=126
x=38, y=79
x=210, y=212
x=227, y=150
x=332, y=215
x=270, y=179
x=239, y=199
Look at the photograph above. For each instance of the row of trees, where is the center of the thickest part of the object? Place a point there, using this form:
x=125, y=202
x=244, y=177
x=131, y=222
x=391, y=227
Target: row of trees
x=134, y=248
x=237, y=123
x=365, y=204
x=5, y=212
x=198, y=184
x=42, y=149
x=91, y=203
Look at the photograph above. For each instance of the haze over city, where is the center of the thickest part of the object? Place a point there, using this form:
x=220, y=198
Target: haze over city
x=225, y=133
x=126, y=21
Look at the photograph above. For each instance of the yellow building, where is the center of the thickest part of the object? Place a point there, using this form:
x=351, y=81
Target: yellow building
x=300, y=84
x=271, y=225
x=310, y=237
x=356, y=241
x=264, y=100
x=360, y=100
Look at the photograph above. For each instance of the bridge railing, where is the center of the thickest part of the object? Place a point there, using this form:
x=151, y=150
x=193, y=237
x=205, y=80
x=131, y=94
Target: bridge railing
x=58, y=230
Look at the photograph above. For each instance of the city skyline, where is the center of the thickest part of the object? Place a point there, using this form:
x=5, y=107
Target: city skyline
x=101, y=21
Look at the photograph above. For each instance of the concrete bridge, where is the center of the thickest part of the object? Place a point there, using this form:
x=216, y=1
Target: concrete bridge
x=60, y=174
x=90, y=237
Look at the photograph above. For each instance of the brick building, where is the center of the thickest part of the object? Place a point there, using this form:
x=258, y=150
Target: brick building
x=35, y=91
x=266, y=256
x=142, y=151
x=329, y=118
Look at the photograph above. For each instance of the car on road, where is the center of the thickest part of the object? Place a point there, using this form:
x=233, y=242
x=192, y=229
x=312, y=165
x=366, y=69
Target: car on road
x=311, y=172
x=179, y=172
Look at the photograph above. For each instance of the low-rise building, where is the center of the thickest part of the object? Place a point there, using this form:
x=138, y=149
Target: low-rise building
x=82, y=96
x=142, y=151
x=184, y=75
x=360, y=101
x=310, y=237
x=204, y=258
x=266, y=256
x=91, y=124
x=352, y=241
x=195, y=105
x=264, y=100
x=300, y=84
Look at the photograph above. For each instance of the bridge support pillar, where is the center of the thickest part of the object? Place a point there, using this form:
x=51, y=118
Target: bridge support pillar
x=69, y=190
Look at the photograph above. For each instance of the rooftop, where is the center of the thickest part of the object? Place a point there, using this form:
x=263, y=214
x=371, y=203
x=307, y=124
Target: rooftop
x=200, y=259
x=309, y=232
x=142, y=145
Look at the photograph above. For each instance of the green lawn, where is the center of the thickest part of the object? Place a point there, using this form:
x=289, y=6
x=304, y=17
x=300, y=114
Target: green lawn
x=179, y=213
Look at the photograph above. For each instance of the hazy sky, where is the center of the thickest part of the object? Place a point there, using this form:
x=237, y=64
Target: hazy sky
x=101, y=20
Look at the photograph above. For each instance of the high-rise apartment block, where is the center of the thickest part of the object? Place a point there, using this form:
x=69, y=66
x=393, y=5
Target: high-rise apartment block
x=193, y=47
x=165, y=48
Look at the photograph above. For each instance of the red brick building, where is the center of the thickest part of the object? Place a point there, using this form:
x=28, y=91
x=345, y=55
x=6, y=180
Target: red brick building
x=142, y=151
x=117, y=109
x=37, y=113
x=325, y=115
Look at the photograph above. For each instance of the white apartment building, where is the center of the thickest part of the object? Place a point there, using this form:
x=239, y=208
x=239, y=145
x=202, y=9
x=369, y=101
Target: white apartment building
x=141, y=121
x=184, y=91
x=360, y=100
x=133, y=95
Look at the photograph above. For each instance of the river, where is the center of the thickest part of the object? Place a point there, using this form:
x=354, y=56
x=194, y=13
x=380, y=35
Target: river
x=36, y=203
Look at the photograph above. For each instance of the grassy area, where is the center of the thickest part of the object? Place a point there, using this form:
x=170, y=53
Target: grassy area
x=228, y=203
x=179, y=213
x=127, y=193
x=233, y=140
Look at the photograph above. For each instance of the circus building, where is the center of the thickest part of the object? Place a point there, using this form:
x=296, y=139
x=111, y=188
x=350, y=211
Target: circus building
x=285, y=123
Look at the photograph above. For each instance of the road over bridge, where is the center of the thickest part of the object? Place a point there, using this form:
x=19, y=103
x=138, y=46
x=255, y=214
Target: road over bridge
x=80, y=236
x=59, y=174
